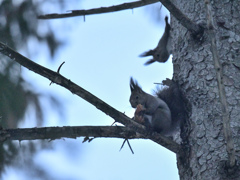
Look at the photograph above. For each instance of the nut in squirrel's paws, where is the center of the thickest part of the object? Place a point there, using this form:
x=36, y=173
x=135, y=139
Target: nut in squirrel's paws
x=139, y=114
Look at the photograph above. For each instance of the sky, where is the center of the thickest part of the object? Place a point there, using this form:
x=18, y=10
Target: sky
x=101, y=54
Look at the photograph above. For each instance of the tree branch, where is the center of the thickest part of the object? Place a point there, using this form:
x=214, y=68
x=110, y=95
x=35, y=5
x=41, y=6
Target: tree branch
x=68, y=132
x=98, y=103
x=195, y=29
x=222, y=94
x=101, y=10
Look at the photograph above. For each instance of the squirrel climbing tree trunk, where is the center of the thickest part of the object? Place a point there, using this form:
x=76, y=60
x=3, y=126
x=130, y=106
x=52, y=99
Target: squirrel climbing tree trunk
x=208, y=71
x=206, y=62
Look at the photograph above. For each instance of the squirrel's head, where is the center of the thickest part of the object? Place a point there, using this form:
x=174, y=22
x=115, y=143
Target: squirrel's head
x=137, y=94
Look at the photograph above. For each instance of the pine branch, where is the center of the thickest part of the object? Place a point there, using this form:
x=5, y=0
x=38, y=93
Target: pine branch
x=195, y=29
x=222, y=94
x=101, y=10
x=98, y=103
x=52, y=133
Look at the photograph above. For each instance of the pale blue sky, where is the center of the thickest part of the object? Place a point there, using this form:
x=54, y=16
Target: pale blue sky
x=101, y=55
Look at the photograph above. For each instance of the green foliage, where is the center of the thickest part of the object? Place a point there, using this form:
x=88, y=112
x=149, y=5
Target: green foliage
x=19, y=27
x=13, y=101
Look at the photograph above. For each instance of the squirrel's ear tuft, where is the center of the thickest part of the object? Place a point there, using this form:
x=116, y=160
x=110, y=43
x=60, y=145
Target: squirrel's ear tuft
x=149, y=62
x=134, y=86
x=147, y=53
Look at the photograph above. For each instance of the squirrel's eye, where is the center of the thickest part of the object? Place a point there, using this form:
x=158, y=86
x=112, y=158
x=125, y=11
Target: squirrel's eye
x=136, y=97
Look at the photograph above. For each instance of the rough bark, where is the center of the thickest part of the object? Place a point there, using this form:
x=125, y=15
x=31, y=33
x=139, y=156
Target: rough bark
x=208, y=69
x=207, y=156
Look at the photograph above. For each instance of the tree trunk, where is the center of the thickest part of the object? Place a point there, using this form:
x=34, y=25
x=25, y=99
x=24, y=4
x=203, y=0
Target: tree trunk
x=207, y=156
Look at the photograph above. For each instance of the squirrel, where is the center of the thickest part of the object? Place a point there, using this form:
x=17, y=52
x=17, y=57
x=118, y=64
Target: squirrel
x=162, y=113
x=156, y=113
x=163, y=50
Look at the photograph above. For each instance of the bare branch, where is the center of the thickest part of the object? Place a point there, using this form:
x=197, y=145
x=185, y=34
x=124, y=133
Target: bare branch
x=128, y=145
x=68, y=132
x=195, y=29
x=58, y=71
x=222, y=93
x=98, y=103
x=101, y=10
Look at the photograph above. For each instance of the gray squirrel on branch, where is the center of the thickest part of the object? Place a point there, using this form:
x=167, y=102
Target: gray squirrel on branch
x=162, y=113
x=163, y=50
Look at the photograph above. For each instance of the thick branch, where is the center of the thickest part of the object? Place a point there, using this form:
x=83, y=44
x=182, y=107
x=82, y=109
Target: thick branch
x=221, y=88
x=68, y=132
x=98, y=103
x=99, y=10
x=195, y=29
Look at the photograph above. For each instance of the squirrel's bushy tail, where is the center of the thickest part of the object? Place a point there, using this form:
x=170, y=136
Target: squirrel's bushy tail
x=176, y=103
